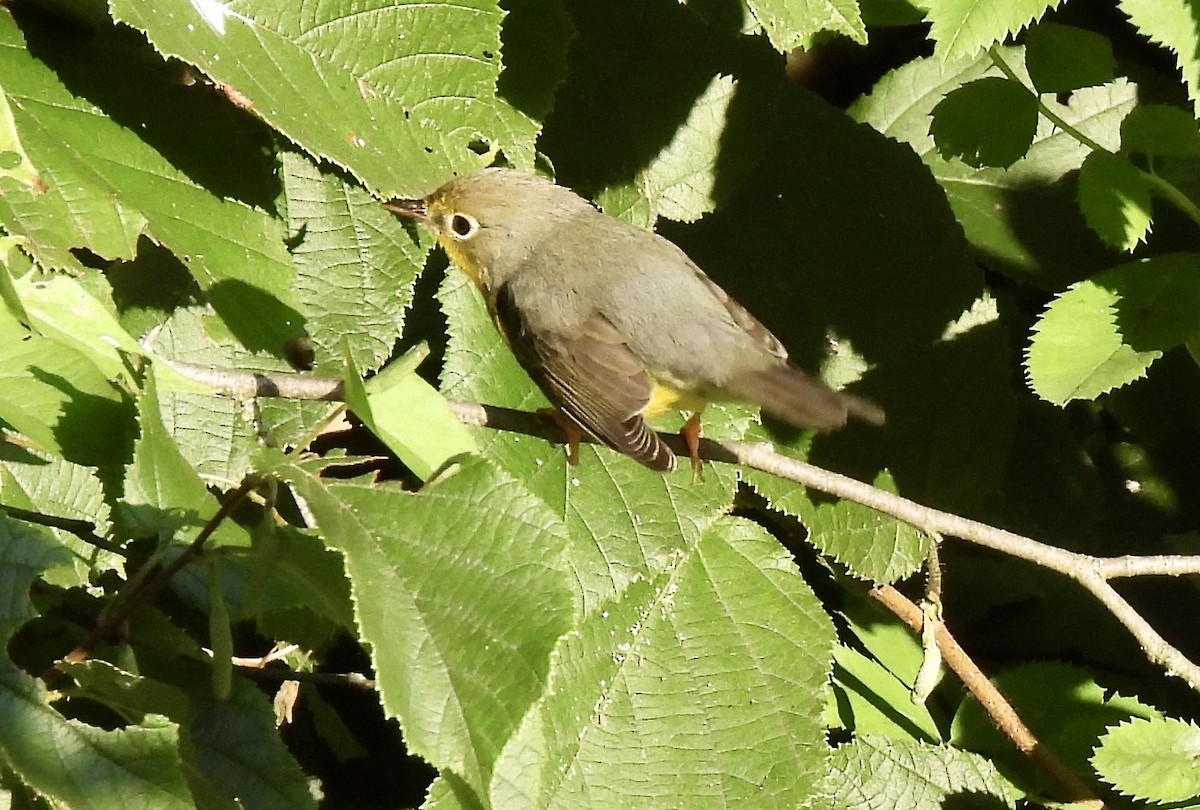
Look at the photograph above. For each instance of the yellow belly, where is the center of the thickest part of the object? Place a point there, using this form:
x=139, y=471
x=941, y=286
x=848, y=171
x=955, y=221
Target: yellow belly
x=664, y=398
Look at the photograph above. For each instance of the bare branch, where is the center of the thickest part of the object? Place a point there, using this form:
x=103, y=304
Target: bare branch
x=1001, y=712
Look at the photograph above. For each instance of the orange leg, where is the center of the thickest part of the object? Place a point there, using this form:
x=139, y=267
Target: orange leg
x=691, y=432
x=568, y=428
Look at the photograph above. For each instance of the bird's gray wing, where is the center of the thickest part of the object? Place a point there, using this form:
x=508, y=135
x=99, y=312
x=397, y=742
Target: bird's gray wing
x=591, y=376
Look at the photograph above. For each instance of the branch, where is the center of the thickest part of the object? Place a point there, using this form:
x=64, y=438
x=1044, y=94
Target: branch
x=1090, y=572
x=1001, y=712
x=144, y=589
x=85, y=530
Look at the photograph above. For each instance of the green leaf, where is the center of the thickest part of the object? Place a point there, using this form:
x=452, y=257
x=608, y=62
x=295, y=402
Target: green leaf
x=60, y=308
x=239, y=749
x=876, y=772
x=793, y=24
x=461, y=593
x=1062, y=58
x=1152, y=760
x=1066, y=710
x=57, y=397
x=872, y=545
x=964, y=27
x=14, y=162
x=1160, y=130
x=68, y=760
x=396, y=94
x=1172, y=24
x=49, y=485
x=409, y=416
x=680, y=182
x=355, y=264
x=1115, y=199
x=988, y=122
x=8, y=290
x=106, y=187
x=1105, y=332
x=871, y=700
x=709, y=676
x=163, y=493
x=1023, y=219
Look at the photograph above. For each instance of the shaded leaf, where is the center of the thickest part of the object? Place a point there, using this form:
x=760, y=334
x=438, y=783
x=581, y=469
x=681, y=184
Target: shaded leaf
x=1062, y=58
x=57, y=397
x=1063, y=706
x=1161, y=131
x=106, y=186
x=680, y=181
x=1023, y=219
x=1115, y=199
x=987, y=122
x=68, y=760
x=871, y=700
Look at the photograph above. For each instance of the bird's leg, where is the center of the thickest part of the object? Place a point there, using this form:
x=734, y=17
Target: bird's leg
x=690, y=432
x=569, y=429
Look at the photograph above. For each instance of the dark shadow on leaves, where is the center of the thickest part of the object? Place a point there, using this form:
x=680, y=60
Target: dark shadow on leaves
x=198, y=130
x=259, y=320
x=91, y=429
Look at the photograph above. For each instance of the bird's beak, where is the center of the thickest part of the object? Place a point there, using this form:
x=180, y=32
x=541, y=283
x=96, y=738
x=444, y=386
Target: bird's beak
x=408, y=209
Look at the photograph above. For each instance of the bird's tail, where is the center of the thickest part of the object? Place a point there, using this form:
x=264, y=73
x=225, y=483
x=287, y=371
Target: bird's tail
x=790, y=395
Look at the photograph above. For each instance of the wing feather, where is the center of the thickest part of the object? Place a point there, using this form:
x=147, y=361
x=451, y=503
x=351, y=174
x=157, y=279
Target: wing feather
x=591, y=376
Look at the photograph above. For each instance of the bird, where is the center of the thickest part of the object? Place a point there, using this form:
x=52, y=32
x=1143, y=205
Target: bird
x=614, y=323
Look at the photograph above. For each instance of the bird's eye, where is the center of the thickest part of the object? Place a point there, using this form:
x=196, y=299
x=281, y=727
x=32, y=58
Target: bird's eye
x=463, y=226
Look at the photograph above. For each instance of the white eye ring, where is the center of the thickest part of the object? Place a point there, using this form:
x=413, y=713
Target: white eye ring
x=462, y=226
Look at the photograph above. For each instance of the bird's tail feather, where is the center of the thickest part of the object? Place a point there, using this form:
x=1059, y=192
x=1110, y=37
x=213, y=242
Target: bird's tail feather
x=790, y=395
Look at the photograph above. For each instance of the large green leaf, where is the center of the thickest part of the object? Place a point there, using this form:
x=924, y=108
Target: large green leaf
x=105, y=185
x=356, y=266
x=461, y=592
x=395, y=93
x=698, y=687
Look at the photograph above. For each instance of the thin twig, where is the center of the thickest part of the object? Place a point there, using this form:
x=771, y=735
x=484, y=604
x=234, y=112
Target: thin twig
x=352, y=679
x=85, y=530
x=1001, y=712
x=1090, y=572
x=146, y=590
